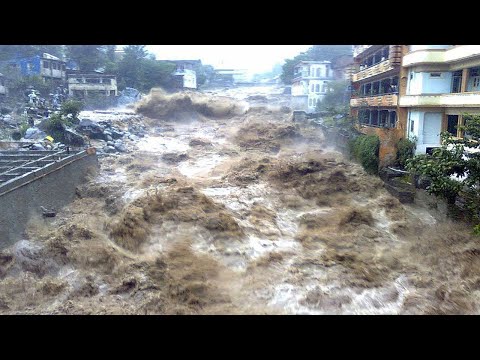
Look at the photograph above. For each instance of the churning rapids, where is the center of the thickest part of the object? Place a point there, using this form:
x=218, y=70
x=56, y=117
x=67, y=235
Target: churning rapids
x=228, y=207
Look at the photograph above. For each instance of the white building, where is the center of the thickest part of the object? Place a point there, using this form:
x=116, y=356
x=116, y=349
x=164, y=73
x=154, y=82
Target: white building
x=310, y=84
x=186, y=73
x=443, y=82
x=83, y=85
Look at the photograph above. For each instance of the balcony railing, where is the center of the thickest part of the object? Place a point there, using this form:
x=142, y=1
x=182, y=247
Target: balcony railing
x=377, y=69
x=379, y=100
x=442, y=100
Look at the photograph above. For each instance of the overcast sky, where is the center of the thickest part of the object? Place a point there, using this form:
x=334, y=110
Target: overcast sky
x=255, y=58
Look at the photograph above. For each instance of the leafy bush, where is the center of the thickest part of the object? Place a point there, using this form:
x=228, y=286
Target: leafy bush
x=453, y=169
x=405, y=151
x=23, y=129
x=72, y=107
x=55, y=126
x=365, y=149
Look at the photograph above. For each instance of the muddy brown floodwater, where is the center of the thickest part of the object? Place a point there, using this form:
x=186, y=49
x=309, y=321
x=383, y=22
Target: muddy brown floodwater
x=227, y=207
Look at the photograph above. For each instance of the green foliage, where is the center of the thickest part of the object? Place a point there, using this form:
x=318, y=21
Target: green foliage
x=476, y=230
x=72, y=107
x=23, y=128
x=140, y=71
x=88, y=57
x=55, y=126
x=18, y=85
x=337, y=98
x=454, y=158
x=364, y=149
x=405, y=151
x=9, y=52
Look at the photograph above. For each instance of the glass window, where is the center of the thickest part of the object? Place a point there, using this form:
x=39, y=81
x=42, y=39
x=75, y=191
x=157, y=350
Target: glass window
x=317, y=88
x=393, y=119
x=45, y=64
x=452, y=122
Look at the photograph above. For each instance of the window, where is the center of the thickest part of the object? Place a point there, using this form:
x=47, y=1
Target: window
x=412, y=125
x=384, y=118
x=393, y=119
x=435, y=75
x=474, y=80
x=324, y=87
x=317, y=88
x=374, y=118
x=313, y=88
x=452, y=122
x=318, y=72
x=327, y=71
x=45, y=65
x=456, y=81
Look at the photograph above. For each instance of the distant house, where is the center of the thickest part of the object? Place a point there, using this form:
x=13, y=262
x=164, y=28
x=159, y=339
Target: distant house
x=81, y=85
x=185, y=74
x=229, y=77
x=310, y=84
x=47, y=66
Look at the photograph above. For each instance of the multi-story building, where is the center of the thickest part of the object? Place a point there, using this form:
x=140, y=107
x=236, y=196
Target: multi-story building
x=310, y=84
x=377, y=82
x=47, y=66
x=443, y=83
x=81, y=85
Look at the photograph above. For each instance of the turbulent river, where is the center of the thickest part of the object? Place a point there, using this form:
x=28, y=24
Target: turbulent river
x=242, y=212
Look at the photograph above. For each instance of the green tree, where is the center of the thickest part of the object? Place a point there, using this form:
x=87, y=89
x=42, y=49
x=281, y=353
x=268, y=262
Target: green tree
x=9, y=52
x=337, y=98
x=130, y=66
x=155, y=74
x=454, y=168
x=88, y=57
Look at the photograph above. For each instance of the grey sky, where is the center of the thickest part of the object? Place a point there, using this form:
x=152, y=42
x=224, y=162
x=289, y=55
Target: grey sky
x=255, y=58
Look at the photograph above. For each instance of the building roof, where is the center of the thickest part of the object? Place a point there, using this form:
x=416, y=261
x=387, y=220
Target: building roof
x=195, y=62
x=50, y=57
x=313, y=62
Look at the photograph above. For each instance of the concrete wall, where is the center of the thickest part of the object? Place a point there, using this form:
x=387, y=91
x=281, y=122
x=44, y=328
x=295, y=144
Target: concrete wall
x=424, y=83
x=416, y=120
x=190, y=79
x=52, y=190
x=428, y=47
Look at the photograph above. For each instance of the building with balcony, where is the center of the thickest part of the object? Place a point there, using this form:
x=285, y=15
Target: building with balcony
x=310, y=84
x=376, y=87
x=443, y=83
x=47, y=66
x=82, y=85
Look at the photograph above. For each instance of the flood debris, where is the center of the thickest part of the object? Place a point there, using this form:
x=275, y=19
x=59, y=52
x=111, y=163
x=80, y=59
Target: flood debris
x=220, y=206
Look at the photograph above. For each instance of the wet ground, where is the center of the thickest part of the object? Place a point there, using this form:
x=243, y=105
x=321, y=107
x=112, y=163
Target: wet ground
x=241, y=212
